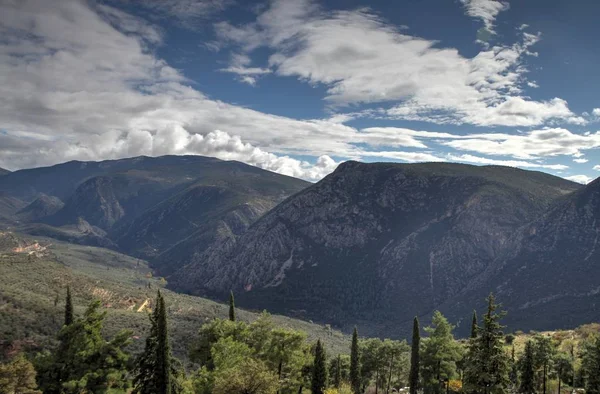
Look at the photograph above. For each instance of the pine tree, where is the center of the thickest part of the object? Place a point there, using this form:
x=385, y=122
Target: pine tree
x=69, y=315
x=84, y=360
x=527, y=370
x=156, y=369
x=590, y=366
x=514, y=372
x=354, y=364
x=487, y=363
x=474, y=325
x=337, y=380
x=231, y=307
x=319, y=376
x=413, y=379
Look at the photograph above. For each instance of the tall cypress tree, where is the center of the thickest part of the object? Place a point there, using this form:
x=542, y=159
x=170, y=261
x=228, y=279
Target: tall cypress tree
x=156, y=369
x=527, y=370
x=69, y=315
x=413, y=379
x=474, y=325
x=355, y=364
x=231, y=307
x=319, y=376
x=337, y=380
x=163, y=354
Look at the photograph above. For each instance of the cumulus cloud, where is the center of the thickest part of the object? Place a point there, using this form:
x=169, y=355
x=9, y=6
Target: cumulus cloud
x=580, y=161
x=597, y=167
x=361, y=58
x=81, y=81
x=584, y=179
x=486, y=10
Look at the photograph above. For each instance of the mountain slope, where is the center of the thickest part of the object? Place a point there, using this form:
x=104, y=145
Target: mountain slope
x=40, y=208
x=549, y=274
x=3, y=171
x=378, y=242
x=145, y=206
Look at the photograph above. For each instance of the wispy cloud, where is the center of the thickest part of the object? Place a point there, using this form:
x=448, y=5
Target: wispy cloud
x=486, y=10
x=361, y=58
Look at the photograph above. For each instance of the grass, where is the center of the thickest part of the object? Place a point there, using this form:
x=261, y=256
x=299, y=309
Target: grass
x=33, y=286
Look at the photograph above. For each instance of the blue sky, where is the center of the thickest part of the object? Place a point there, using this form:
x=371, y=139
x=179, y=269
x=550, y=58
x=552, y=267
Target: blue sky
x=299, y=86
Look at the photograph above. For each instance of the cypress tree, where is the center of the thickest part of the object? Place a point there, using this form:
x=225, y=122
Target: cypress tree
x=474, y=325
x=319, y=376
x=69, y=315
x=338, y=373
x=156, y=369
x=527, y=370
x=413, y=379
x=231, y=307
x=354, y=364
x=163, y=354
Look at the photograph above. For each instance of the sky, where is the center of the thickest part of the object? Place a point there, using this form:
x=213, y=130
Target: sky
x=299, y=86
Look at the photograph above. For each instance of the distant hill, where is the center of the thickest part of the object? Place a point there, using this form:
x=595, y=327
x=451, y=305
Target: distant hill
x=143, y=206
x=377, y=244
x=3, y=171
x=35, y=272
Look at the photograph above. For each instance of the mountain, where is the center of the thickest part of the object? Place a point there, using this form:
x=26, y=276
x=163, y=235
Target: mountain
x=376, y=244
x=145, y=206
x=548, y=276
x=3, y=171
x=41, y=207
x=9, y=205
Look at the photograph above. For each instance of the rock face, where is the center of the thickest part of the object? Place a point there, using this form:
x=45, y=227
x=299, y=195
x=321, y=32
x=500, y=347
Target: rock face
x=549, y=273
x=376, y=243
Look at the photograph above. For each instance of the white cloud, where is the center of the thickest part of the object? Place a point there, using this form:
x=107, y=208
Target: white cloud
x=580, y=161
x=486, y=10
x=361, y=58
x=84, y=83
x=239, y=65
x=584, y=179
x=597, y=167
x=509, y=163
x=188, y=13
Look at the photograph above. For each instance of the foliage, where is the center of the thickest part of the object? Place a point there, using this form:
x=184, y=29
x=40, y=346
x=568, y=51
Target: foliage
x=231, y=307
x=487, y=363
x=439, y=354
x=84, y=361
x=355, y=364
x=319, y=376
x=18, y=377
x=413, y=379
x=249, y=376
x=156, y=369
x=527, y=370
x=590, y=366
x=69, y=314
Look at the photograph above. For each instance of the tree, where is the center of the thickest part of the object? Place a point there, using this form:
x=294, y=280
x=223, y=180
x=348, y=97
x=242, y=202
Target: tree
x=231, y=307
x=474, y=325
x=439, y=354
x=354, y=364
x=564, y=368
x=487, y=363
x=319, y=375
x=590, y=365
x=18, y=377
x=344, y=368
x=251, y=376
x=544, y=354
x=514, y=371
x=85, y=361
x=527, y=370
x=414, y=358
x=69, y=315
x=337, y=380
x=156, y=369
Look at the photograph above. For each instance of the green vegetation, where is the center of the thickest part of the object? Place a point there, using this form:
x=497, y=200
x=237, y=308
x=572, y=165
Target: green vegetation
x=110, y=346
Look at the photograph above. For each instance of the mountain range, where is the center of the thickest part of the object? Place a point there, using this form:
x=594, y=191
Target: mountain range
x=371, y=244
